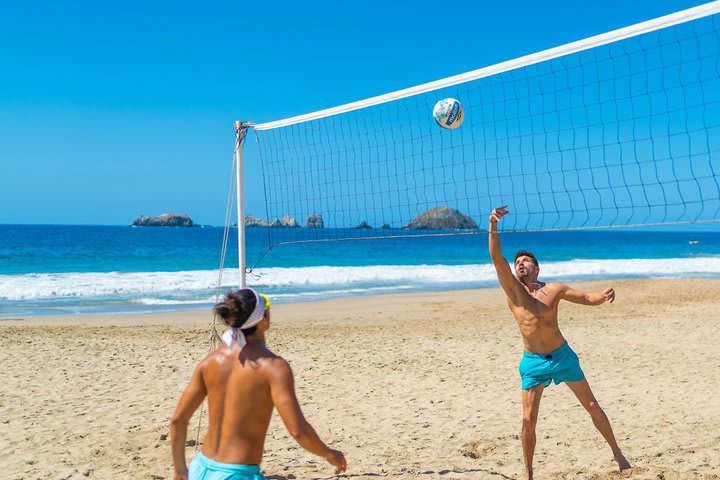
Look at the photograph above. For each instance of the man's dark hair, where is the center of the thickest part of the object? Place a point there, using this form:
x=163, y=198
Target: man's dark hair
x=236, y=307
x=525, y=253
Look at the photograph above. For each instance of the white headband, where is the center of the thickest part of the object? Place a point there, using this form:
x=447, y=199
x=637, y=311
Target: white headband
x=234, y=334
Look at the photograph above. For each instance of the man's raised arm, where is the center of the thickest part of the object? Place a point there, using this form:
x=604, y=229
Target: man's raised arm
x=504, y=273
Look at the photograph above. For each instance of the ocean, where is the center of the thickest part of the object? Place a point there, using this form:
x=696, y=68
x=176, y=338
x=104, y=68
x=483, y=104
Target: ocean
x=52, y=269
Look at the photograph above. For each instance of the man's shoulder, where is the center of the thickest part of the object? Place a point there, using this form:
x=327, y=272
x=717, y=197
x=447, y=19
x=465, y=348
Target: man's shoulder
x=266, y=358
x=259, y=355
x=216, y=358
x=275, y=367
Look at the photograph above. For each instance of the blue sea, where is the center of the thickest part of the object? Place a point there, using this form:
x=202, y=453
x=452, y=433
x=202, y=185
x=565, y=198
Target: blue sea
x=50, y=269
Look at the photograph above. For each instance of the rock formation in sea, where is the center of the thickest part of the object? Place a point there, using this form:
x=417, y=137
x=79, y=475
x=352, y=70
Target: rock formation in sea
x=252, y=221
x=314, y=220
x=287, y=222
x=364, y=226
x=442, y=218
x=165, y=220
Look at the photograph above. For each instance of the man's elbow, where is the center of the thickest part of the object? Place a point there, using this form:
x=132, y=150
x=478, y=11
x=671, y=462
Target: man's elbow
x=297, y=434
x=299, y=430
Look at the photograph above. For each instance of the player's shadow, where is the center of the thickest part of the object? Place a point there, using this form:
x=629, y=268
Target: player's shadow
x=342, y=475
x=467, y=470
x=386, y=475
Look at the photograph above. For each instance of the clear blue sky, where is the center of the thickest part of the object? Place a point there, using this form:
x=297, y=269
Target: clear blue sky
x=113, y=110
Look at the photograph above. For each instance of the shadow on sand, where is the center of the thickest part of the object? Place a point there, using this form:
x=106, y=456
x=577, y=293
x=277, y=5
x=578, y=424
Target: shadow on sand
x=389, y=475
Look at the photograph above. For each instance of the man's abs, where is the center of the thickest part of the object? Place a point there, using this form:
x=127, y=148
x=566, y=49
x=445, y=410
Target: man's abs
x=540, y=335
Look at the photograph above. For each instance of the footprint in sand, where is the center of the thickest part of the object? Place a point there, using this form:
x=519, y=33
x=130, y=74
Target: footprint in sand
x=478, y=448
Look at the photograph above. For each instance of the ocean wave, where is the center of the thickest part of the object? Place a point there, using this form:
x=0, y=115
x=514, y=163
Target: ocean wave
x=168, y=301
x=187, y=287
x=111, y=284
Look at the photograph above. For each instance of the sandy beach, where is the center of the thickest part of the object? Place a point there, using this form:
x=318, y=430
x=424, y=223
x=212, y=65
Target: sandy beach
x=409, y=386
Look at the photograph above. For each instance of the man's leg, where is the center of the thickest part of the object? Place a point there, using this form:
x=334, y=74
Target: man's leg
x=583, y=392
x=531, y=407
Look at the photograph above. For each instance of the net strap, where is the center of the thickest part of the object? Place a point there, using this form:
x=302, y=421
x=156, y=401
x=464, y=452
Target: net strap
x=676, y=18
x=214, y=335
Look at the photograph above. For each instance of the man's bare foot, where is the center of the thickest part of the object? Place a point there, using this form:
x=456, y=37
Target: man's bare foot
x=625, y=467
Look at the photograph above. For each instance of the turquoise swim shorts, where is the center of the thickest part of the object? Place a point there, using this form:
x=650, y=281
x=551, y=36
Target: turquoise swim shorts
x=560, y=365
x=202, y=468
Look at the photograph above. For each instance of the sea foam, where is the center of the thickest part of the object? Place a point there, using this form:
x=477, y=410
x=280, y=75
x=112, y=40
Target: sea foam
x=316, y=282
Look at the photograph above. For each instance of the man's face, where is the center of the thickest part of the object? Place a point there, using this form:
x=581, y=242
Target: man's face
x=525, y=267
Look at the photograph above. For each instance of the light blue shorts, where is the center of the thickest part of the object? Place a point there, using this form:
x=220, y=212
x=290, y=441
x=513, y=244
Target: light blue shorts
x=202, y=468
x=560, y=365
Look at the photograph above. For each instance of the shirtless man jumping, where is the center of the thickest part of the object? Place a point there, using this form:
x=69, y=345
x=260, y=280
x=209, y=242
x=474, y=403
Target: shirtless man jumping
x=547, y=356
x=243, y=381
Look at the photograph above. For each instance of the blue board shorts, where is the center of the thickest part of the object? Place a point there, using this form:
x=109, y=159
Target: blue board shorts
x=560, y=365
x=202, y=468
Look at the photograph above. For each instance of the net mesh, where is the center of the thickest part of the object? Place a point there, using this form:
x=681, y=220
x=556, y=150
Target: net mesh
x=623, y=134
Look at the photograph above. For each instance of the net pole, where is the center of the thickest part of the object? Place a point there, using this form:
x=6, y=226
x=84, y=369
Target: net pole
x=240, y=130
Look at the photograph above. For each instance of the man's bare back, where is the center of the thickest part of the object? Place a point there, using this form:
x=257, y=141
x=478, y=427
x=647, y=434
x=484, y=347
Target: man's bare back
x=243, y=382
x=236, y=426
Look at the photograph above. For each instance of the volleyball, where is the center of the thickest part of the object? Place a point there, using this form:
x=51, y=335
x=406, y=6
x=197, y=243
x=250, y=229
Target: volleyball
x=448, y=113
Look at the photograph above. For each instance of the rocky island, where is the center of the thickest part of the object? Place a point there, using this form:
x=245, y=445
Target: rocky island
x=286, y=222
x=253, y=221
x=364, y=226
x=442, y=218
x=164, y=220
x=315, y=220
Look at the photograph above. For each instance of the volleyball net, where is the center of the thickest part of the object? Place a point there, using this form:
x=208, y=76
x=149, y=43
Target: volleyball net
x=621, y=129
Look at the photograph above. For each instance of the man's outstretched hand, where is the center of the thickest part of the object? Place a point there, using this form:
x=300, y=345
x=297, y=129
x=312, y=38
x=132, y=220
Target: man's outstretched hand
x=498, y=213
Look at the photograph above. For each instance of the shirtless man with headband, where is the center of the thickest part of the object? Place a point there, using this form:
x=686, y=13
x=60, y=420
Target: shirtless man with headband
x=547, y=356
x=243, y=381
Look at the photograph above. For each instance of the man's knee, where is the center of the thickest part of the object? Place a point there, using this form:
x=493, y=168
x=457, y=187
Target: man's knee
x=593, y=408
x=528, y=424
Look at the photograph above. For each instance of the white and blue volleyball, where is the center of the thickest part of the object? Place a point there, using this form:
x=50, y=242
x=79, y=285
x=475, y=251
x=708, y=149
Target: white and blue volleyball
x=448, y=113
